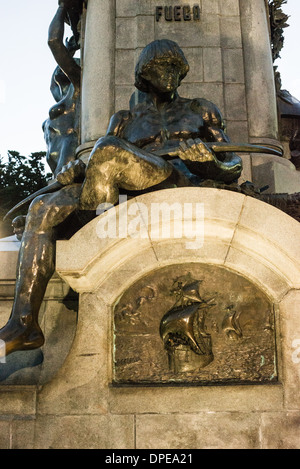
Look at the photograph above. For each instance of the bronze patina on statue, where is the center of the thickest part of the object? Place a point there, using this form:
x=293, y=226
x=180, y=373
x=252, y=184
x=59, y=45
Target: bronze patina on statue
x=165, y=141
x=137, y=152
x=61, y=129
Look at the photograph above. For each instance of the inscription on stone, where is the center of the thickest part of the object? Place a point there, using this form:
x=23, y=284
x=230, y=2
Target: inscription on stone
x=194, y=324
x=178, y=13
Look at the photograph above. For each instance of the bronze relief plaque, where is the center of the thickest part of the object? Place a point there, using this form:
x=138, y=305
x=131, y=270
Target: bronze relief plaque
x=194, y=324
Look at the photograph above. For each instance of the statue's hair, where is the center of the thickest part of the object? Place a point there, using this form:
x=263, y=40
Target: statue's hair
x=156, y=51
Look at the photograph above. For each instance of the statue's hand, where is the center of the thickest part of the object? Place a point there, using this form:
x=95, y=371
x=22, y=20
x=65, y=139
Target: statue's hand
x=196, y=150
x=18, y=225
x=72, y=45
x=73, y=172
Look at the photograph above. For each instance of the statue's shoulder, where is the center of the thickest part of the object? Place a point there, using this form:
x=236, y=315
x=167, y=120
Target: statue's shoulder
x=209, y=111
x=117, y=122
x=205, y=106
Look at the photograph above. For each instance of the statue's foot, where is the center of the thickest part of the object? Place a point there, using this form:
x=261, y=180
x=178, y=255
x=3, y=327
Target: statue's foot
x=17, y=337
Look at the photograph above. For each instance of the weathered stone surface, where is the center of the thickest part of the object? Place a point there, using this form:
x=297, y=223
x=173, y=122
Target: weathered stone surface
x=212, y=61
x=199, y=431
x=238, y=132
x=18, y=400
x=145, y=30
x=194, y=57
x=126, y=30
x=8, y=262
x=128, y=8
x=123, y=94
x=125, y=63
x=210, y=7
x=230, y=32
x=80, y=386
x=281, y=178
x=84, y=432
x=5, y=434
x=235, y=102
x=155, y=400
x=281, y=430
x=259, y=79
x=99, y=62
x=23, y=433
x=233, y=66
x=290, y=348
x=229, y=7
x=58, y=312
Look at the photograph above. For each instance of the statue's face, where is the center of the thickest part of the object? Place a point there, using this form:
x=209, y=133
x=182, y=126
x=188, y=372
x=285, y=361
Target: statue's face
x=163, y=76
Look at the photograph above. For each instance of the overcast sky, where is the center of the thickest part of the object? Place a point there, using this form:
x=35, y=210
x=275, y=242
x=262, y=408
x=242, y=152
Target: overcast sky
x=27, y=65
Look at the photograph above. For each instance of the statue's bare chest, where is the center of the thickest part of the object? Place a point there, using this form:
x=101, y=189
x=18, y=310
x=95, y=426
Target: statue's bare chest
x=173, y=123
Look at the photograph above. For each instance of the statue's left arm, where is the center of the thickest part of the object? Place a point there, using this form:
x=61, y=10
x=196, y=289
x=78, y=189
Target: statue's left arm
x=60, y=52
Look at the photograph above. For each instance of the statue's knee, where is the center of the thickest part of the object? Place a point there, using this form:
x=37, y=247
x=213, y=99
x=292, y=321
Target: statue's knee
x=109, y=141
x=37, y=206
x=38, y=211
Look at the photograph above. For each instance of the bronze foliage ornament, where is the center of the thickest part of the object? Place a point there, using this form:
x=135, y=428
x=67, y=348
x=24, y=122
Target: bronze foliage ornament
x=278, y=21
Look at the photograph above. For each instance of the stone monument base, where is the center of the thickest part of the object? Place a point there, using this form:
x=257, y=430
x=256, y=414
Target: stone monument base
x=82, y=406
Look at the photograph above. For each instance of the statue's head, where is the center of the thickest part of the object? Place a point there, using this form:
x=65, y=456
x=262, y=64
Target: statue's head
x=161, y=59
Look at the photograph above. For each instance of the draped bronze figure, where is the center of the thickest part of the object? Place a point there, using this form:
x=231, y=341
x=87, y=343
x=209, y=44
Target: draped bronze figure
x=61, y=129
x=137, y=150
x=159, y=143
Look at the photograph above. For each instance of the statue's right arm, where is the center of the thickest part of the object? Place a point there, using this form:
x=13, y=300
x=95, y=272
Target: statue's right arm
x=61, y=54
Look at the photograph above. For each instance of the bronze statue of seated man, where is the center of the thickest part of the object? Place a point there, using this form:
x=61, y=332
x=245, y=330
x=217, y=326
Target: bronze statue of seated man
x=136, y=154
x=165, y=124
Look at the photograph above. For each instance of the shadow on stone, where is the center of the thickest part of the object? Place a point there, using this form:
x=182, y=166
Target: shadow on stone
x=22, y=362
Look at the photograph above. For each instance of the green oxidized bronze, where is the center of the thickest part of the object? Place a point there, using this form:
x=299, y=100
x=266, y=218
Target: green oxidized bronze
x=160, y=143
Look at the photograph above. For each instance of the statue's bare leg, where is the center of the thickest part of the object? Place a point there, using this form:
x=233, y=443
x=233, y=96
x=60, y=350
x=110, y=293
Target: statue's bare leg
x=115, y=164
x=36, y=266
